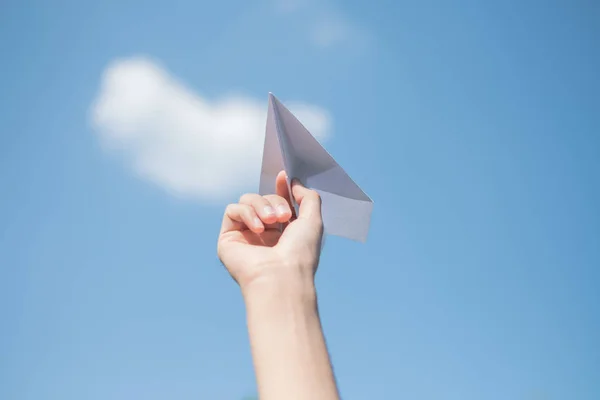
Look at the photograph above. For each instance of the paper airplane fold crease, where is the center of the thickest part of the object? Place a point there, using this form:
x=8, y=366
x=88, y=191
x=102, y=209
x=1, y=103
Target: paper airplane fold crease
x=289, y=146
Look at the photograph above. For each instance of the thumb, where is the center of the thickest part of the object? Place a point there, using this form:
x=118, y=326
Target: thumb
x=303, y=237
x=308, y=200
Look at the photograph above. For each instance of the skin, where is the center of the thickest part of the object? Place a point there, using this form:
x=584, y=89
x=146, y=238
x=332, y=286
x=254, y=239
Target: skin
x=273, y=256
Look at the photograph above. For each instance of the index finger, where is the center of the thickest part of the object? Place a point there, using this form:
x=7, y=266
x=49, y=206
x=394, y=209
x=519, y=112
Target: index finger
x=281, y=188
x=240, y=216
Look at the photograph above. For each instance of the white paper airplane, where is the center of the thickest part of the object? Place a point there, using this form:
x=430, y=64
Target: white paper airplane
x=289, y=146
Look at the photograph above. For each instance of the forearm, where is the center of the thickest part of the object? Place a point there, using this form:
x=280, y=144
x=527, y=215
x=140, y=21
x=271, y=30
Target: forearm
x=290, y=356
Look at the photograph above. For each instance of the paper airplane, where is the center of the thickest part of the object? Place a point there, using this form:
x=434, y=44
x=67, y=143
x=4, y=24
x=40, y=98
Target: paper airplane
x=289, y=146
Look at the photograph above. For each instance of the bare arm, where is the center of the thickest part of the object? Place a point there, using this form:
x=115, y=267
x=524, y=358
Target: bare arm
x=290, y=356
x=275, y=269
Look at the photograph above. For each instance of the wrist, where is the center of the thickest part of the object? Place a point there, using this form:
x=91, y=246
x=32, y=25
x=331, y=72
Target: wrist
x=281, y=283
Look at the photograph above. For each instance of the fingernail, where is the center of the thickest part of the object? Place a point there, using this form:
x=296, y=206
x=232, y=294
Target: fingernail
x=257, y=222
x=281, y=209
x=269, y=210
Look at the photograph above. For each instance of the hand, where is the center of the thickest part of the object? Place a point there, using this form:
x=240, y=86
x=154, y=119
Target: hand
x=261, y=239
x=274, y=256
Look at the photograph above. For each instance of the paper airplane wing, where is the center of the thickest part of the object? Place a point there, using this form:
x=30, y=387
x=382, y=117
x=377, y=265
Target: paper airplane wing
x=346, y=209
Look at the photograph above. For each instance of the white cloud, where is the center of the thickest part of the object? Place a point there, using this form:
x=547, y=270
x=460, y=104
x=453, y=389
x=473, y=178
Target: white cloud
x=187, y=144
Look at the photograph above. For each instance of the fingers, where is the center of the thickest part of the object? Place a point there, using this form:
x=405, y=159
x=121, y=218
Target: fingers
x=263, y=208
x=303, y=237
x=281, y=188
x=281, y=206
x=256, y=213
x=270, y=208
x=240, y=216
x=309, y=201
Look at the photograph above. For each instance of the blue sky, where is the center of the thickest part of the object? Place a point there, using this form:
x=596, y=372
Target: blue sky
x=474, y=125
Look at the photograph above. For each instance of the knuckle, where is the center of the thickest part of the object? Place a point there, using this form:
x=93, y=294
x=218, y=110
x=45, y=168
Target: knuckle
x=316, y=195
x=242, y=208
x=248, y=197
x=275, y=199
x=249, y=212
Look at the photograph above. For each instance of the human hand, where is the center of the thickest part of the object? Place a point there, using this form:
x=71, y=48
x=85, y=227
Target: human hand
x=261, y=239
x=273, y=255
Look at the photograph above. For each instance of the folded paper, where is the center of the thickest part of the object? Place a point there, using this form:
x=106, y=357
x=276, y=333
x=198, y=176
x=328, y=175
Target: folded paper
x=289, y=146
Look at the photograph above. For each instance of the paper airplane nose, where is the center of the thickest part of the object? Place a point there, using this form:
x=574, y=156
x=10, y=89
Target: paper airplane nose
x=345, y=207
